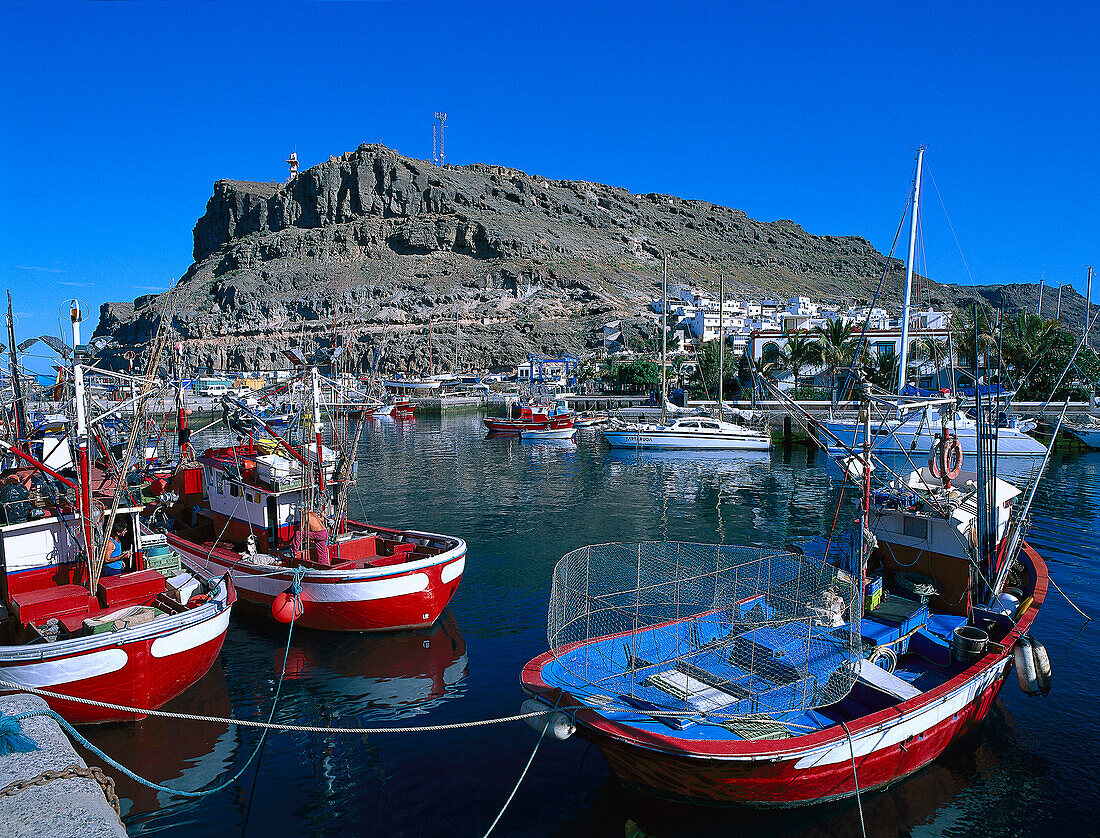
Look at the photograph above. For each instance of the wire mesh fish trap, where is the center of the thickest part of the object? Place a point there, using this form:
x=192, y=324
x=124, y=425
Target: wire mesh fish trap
x=722, y=631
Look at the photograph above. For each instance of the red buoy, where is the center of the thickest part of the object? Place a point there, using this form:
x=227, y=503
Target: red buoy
x=286, y=607
x=158, y=486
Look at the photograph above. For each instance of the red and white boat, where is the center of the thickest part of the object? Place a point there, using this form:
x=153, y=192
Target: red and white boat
x=707, y=684
x=135, y=632
x=239, y=518
x=531, y=418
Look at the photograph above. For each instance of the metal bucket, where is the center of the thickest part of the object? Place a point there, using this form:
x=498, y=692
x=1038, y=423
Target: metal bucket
x=968, y=643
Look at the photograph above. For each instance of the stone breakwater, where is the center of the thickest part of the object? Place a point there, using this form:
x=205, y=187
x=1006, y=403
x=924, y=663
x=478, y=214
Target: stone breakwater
x=384, y=254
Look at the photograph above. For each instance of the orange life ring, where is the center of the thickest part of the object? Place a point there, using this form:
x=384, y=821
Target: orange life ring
x=951, y=457
x=945, y=458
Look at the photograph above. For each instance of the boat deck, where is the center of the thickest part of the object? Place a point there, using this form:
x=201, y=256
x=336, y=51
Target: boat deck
x=711, y=677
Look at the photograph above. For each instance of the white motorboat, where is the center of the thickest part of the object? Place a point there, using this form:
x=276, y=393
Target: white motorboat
x=689, y=432
x=540, y=434
x=1088, y=433
x=917, y=433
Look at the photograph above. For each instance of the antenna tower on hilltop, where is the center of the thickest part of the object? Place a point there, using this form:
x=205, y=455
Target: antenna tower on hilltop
x=438, y=156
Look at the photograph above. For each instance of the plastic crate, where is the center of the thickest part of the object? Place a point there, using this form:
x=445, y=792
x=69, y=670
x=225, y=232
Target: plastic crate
x=168, y=563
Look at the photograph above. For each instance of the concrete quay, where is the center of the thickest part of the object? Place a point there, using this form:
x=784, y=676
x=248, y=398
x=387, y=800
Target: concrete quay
x=65, y=808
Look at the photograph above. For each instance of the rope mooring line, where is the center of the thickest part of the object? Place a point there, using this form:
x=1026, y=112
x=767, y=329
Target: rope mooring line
x=193, y=717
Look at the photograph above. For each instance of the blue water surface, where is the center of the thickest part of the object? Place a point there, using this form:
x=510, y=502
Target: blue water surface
x=1030, y=769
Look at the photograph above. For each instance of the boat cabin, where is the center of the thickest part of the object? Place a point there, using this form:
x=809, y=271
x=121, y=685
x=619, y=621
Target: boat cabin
x=44, y=593
x=928, y=529
x=251, y=492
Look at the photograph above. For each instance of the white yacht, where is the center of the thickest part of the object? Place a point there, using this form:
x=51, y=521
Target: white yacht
x=917, y=432
x=689, y=432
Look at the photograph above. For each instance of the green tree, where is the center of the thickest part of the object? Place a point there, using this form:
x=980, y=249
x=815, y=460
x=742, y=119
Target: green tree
x=881, y=368
x=638, y=376
x=833, y=347
x=706, y=373
x=796, y=353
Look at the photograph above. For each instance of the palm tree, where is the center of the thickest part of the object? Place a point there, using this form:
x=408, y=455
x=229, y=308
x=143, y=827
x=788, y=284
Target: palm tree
x=796, y=353
x=963, y=334
x=833, y=347
x=1025, y=338
x=937, y=352
x=882, y=369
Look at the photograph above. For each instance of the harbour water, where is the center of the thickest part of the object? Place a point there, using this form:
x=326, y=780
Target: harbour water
x=1030, y=769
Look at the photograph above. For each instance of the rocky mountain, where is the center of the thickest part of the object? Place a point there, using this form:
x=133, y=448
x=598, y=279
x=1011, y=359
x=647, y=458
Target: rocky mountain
x=383, y=254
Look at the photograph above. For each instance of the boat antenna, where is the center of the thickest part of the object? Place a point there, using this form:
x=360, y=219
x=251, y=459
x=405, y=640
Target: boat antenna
x=664, y=331
x=913, y=222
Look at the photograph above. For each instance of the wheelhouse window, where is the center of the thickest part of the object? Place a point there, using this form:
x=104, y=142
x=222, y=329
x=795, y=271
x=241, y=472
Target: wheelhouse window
x=914, y=527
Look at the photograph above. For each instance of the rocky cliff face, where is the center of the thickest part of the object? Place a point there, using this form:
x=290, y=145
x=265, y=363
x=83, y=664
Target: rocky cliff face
x=383, y=254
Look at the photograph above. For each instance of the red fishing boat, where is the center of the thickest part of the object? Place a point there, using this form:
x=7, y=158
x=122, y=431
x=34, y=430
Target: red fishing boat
x=260, y=512
x=739, y=676
x=133, y=629
x=531, y=418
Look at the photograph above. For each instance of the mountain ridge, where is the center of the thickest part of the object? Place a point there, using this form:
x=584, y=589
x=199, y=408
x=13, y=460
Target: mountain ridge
x=384, y=253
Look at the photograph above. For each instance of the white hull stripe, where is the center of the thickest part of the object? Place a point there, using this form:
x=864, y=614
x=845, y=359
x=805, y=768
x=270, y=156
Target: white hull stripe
x=921, y=721
x=271, y=586
x=190, y=638
x=452, y=571
x=66, y=670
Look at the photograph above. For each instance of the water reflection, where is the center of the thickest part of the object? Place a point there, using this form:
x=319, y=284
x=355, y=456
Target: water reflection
x=179, y=754
x=391, y=675
x=1029, y=769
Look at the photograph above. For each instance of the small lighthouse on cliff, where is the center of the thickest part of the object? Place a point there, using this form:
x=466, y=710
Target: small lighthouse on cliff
x=292, y=161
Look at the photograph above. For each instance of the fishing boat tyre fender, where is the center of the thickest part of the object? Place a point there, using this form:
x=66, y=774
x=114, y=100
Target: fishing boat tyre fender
x=1032, y=666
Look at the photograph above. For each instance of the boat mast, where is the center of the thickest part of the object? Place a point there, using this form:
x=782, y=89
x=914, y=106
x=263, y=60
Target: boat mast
x=903, y=359
x=456, y=340
x=1088, y=302
x=82, y=435
x=721, y=339
x=316, y=379
x=664, y=332
x=16, y=387
x=183, y=434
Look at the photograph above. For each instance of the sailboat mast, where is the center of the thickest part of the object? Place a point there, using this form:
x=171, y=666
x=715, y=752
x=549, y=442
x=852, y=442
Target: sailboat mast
x=903, y=359
x=16, y=387
x=82, y=439
x=664, y=332
x=318, y=428
x=721, y=340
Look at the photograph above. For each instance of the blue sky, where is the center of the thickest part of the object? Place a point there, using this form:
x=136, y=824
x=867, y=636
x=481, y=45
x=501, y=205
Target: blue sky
x=118, y=118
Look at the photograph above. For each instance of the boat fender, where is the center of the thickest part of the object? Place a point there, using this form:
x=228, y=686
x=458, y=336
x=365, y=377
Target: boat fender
x=1024, y=660
x=1042, y=666
x=561, y=726
x=287, y=607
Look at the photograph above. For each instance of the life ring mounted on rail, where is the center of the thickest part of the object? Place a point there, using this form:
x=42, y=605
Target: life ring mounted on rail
x=945, y=458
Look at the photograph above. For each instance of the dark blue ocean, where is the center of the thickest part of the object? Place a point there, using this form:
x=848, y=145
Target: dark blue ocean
x=1030, y=769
